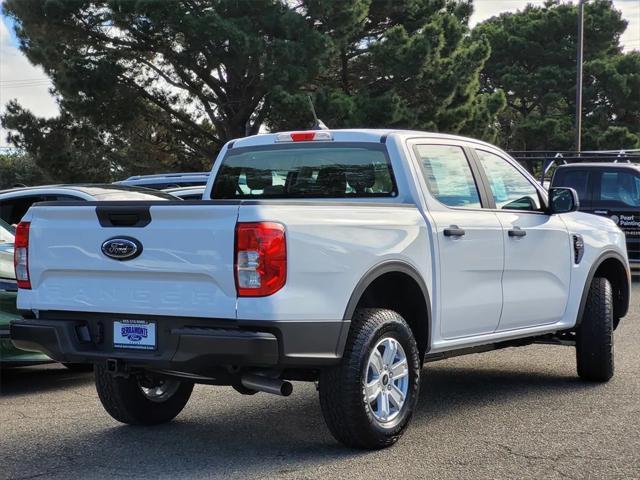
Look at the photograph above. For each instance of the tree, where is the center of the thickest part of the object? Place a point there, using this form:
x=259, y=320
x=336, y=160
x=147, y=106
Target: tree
x=612, y=91
x=397, y=64
x=70, y=149
x=17, y=168
x=149, y=85
x=195, y=71
x=533, y=60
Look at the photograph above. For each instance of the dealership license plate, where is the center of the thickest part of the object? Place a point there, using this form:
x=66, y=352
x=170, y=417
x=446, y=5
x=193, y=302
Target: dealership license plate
x=137, y=334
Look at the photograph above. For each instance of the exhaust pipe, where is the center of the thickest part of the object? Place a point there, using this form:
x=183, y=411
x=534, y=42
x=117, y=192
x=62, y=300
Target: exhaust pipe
x=266, y=384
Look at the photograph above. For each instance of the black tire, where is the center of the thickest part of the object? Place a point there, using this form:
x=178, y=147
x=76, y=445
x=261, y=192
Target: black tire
x=345, y=411
x=79, y=367
x=125, y=401
x=594, y=339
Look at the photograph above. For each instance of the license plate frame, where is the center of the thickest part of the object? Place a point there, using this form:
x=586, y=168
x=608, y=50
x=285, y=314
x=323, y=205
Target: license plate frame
x=135, y=334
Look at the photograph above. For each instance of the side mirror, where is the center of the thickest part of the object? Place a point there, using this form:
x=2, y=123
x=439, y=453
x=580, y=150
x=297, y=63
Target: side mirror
x=563, y=200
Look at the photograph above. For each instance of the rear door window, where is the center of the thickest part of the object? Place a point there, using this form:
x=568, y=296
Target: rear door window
x=619, y=189
x=305, y=171
x=448, y=175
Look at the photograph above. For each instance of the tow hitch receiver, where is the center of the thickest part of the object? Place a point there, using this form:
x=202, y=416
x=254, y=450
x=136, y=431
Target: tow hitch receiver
x=116, y=367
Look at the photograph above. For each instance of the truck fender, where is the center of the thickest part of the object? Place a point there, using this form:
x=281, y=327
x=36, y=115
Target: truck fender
x=621, y=302
x=389, y=266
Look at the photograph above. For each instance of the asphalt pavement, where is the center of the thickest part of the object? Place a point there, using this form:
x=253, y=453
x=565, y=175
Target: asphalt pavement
x=514, y=413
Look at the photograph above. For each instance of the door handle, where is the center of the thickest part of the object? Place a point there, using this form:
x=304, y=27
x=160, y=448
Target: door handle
x=601, y=212
x=453, y=231
x=517, y=232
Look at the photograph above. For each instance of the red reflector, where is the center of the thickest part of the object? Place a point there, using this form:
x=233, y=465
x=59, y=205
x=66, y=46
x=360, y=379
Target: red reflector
x=21, y=255
x=303, y=136
x=260, y=258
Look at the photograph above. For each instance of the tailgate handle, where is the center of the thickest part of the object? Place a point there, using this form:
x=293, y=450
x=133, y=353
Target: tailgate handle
x=124, y=216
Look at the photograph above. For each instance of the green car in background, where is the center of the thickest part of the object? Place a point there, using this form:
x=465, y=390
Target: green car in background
x=10, y=355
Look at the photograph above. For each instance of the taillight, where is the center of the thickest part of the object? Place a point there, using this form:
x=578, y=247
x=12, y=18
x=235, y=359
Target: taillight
x=308, y=136
x=260, y=258
x=21, y=255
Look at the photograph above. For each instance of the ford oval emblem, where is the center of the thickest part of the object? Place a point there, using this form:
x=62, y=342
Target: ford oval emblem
x=122, y=248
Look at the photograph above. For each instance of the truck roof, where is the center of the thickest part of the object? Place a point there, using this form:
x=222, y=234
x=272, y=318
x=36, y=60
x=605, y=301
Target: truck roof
x=352, y=135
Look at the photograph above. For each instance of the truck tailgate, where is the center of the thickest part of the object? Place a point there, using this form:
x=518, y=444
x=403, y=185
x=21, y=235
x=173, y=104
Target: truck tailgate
x=185, y=268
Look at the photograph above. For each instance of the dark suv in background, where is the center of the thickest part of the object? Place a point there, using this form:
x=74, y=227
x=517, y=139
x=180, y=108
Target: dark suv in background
x=610, y=190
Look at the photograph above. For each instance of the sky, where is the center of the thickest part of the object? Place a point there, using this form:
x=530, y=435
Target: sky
x=28, y=84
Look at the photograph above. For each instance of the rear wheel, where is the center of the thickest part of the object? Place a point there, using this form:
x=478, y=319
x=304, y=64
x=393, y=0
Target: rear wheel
x=594, y=340
x=141, y=400
x=368, y=400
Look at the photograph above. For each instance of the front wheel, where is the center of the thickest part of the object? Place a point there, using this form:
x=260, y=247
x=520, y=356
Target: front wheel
x=141, y=400
x=368, y=400
x=594, y=339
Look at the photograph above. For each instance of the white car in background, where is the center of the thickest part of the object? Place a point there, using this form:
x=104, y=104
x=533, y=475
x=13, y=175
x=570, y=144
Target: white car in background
x=186, y=193
x=163, y=181
x=7, y=236
x=15, y=202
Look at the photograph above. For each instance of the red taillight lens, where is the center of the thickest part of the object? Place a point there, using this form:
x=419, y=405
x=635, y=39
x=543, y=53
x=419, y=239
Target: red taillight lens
x=303, y=136
x=260, y=258
x=21, y=255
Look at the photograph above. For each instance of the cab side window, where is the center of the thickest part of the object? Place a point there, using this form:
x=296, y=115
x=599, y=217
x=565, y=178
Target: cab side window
x=511, y=190
x=448, y=175
x=619, y=188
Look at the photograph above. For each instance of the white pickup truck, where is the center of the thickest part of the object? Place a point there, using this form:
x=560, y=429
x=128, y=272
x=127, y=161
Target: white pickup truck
x=347, y=257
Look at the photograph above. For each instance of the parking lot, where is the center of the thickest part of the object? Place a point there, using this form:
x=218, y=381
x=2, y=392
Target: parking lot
x=515, y=413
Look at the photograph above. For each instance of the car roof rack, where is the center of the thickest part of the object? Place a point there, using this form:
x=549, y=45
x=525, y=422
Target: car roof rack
x=168, y=175
x=549, y=159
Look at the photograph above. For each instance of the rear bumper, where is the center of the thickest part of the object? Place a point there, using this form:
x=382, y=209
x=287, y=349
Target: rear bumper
x=203, y=348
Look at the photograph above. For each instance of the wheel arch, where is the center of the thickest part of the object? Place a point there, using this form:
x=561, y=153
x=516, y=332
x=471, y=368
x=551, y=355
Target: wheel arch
x=610, y=265
x=398, y=286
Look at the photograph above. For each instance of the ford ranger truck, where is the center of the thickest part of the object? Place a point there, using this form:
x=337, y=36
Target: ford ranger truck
x=346, y=257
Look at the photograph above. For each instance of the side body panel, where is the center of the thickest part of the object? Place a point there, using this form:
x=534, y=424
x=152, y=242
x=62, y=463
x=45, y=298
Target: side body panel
x=537, y=272
x=329, y=249
x=601, y=237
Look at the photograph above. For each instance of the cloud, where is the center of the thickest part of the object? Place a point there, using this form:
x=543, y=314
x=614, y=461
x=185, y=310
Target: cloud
x=630, y=12
x=485, y=9
x=23, y=81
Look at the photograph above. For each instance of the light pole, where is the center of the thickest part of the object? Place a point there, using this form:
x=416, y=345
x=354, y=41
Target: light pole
x=580, y=56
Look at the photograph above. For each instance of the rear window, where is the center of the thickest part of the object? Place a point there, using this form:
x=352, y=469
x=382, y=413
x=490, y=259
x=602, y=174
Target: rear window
x=305, y=171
